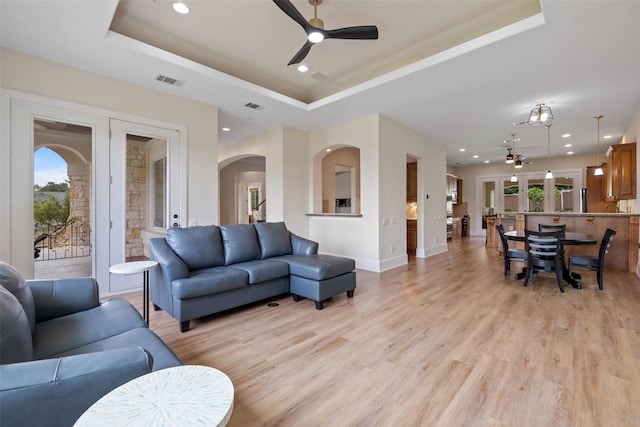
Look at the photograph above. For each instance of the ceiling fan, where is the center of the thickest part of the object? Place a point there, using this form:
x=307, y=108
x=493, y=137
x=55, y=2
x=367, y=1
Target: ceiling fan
x=316, y=32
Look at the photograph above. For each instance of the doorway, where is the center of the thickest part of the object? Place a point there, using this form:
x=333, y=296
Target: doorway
x=62, y=199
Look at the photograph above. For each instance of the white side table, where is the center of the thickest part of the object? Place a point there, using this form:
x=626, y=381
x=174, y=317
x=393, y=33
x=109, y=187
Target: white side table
x=138, y=267
x=181, y=396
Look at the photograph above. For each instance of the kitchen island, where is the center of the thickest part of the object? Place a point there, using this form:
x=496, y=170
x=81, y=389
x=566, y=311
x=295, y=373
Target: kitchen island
x=623, y=250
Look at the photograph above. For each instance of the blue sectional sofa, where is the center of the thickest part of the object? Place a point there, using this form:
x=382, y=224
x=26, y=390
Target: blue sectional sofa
x=208, y=269
x=61, y=349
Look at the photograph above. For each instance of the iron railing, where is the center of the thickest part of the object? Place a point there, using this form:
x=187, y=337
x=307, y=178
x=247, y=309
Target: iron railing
x=69, y=240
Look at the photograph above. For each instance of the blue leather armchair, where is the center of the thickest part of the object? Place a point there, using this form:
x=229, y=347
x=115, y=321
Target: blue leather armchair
x=61, y=349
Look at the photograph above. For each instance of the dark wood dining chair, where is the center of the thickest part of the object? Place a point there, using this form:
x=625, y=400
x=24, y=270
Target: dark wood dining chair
x=544, y=254
x=593, y=263
x=509, y=254
x=553, y=227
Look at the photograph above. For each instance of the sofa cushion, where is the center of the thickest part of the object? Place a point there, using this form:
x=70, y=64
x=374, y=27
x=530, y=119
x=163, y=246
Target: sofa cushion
x=274, y=239
x=263, y=270
x=198, y=246
x=143, y=337
x=318, y=267
x=13, y=281
x=209, y=281
x=240, y=243
x=16, y=344
x=65, y=333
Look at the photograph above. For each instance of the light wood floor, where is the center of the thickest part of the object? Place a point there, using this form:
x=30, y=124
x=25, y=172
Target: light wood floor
x=445, y=341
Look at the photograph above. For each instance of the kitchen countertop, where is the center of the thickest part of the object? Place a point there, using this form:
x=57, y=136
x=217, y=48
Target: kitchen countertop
x=617, y=214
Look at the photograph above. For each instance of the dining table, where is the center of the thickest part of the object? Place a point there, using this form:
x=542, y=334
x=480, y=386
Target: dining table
x=569, y=238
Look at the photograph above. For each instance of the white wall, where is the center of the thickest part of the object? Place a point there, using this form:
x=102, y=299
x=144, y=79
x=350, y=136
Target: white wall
x=234, y=180
x=285, y=151
x=356, y=237
x=396, y=142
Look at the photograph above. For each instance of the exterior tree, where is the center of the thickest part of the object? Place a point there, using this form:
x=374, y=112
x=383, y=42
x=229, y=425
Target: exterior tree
x=51, y=211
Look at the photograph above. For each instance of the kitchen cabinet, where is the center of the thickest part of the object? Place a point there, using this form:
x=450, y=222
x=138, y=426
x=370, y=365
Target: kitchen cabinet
x=596, y=190
x=412, y=236
x=458, y=199
x=412, y=182
x=454, y=188
x=621, y=172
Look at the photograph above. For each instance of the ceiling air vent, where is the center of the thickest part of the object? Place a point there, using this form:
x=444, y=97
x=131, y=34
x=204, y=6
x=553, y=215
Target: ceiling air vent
x=169, y=80
x=318, y=76
x=253, y=106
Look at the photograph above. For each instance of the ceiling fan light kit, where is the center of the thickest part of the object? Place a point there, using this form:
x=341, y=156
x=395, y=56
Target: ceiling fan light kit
x=316, y=32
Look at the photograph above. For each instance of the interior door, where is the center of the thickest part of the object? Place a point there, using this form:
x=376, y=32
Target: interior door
x=139, y=172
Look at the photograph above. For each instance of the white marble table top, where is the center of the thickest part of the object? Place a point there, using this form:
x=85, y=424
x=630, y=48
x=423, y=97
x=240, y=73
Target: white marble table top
x=132, y=267
x=189, y=395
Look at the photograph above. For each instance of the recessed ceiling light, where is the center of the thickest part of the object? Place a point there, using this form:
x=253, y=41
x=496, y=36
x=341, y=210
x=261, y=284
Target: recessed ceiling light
x=475, y=156
x=462, y=149
x=568, y=145
x=181, y=8
x=327, y=150
x=226, y=129
x=607, y=137
x=303, y=68
x=486, y=161
x=569, y=152
x=566, y=135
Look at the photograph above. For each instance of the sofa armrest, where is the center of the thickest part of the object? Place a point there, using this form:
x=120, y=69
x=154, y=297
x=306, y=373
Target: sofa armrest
x=302, y=246
x=171, y=266
x=57, y=298
x=58, y=391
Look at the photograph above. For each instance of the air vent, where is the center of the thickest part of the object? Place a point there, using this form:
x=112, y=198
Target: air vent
x=169, y=80
x=318, y=76
x=253, y=106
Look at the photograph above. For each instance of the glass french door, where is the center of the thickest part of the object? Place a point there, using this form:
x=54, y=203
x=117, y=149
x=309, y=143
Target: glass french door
x=147, y=192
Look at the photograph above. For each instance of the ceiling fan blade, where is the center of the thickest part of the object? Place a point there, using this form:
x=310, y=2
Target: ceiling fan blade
x=290, y=10
x=302, y=53
x=363, y=32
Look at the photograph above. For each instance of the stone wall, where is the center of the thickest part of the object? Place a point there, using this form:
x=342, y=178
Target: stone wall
x=136, y=202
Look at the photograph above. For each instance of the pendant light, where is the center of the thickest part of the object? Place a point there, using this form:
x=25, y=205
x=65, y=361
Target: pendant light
x=549, y=175
x=598, y=171
x=514, y=178
x=540, y=114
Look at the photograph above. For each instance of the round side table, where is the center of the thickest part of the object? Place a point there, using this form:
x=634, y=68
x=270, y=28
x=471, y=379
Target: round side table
x=180, y=396
x=138, y=267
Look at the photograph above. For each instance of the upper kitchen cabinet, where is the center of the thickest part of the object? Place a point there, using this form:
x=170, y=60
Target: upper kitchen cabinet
x=412, y=182
x=621, y=172
x=454, y=188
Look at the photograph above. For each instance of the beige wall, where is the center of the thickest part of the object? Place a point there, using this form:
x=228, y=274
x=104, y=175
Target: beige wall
x=37, y=76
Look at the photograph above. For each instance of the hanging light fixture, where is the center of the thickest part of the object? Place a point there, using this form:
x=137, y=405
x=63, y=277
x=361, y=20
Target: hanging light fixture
x=514, y=178
x=549, y=175
x=518, y=164
x=509, y=156
x=540, y=114
x=510, y=153
x=598, y=171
